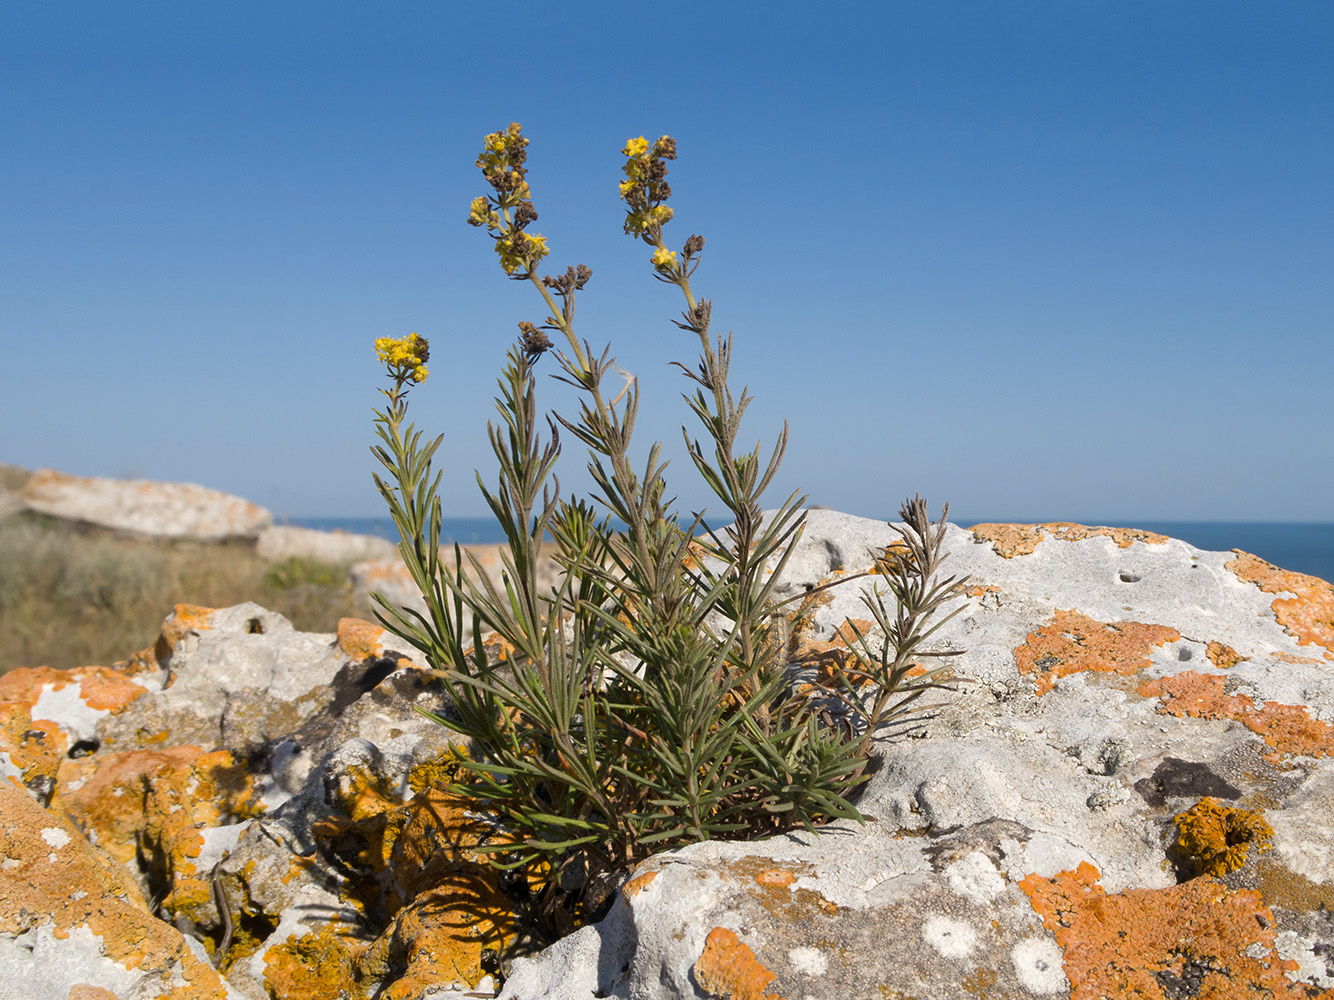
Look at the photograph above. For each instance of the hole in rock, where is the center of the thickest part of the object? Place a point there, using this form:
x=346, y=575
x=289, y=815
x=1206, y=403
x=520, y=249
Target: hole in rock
x=254, y=626
x=1126, y=577
x=85, y=748
x=1184, y=654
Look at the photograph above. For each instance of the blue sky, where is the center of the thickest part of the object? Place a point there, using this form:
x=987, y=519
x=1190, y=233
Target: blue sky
x=1067, y=260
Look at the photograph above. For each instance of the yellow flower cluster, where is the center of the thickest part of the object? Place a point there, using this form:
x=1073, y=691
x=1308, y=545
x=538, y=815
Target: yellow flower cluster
x=501, y=158
x=521, y=251
x=664, y=260
x=507, y=213
x=645, y=188
x=405, y=357
x=639, y=223
x=482, y=214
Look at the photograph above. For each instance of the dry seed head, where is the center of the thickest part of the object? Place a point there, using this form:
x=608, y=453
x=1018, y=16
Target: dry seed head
x=534, y=342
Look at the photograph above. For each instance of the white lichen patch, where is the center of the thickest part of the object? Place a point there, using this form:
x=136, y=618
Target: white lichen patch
x=1293, y=947
x=808, y=961
x=55, y=837
x=949, y=937
x=1037, y=963
x=974, y=876
x=7, y=767
x=66, y=708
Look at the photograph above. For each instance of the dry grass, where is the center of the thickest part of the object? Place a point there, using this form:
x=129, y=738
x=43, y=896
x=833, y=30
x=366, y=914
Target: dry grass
x=72, y=596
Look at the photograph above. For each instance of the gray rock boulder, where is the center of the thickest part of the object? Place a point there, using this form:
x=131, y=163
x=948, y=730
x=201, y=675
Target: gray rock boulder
x=169, y=510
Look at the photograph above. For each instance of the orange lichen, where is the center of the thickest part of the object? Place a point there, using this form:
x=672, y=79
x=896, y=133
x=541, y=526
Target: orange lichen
x=445, y=898
x=982, y=590
x=1289, y=729
x=1010, y=540
x=52, y=876
x=184, y=619
x=82, y=991
x=832, y=658
x=1194, y=939
x=728, y=968
x=1216, y=838
x=1074, y=642
x=1308, y=615
x=322, y=963
x=776, y=876
x=1223, y=657
x=99, y=687
x=443, y=935
x=638, y=884
x=773, y=889
x=35, y=748
x=159, y=802
x=360, y=640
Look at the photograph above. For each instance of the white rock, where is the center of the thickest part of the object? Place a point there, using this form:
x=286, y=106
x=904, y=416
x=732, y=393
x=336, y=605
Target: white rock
x=172, y=510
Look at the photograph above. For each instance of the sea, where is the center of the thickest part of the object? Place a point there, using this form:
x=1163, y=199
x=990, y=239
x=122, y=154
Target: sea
x=1300, y=547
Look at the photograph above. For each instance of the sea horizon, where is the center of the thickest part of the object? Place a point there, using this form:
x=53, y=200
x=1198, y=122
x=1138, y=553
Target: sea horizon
x=1300, y=546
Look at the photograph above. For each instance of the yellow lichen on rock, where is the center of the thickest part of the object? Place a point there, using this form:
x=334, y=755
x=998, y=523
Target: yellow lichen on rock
x=445, y=934
x=448, y=908
x=322, y=963
x=1308, y=615
x=1216, y=838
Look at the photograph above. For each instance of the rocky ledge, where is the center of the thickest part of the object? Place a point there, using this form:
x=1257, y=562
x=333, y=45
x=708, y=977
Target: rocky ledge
x=1130, y=794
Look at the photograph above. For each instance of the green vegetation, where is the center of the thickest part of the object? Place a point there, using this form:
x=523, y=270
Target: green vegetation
x=645, y=700
x=73, y=596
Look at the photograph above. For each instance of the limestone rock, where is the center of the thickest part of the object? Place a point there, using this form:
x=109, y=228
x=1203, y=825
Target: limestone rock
x=279, y=542
x=1024, y=840
x=168, y=510
x=1130, y=792
x=71, y=919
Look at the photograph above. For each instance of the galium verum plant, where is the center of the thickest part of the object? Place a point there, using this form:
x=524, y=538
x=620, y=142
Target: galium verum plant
x=644, y=701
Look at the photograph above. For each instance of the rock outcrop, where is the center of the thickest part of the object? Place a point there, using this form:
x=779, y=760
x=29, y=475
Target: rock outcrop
x=279, y=542
x=144, y=507
x=1130, y=793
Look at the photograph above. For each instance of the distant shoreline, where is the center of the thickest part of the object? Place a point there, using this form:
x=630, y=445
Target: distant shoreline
x=1297, y=546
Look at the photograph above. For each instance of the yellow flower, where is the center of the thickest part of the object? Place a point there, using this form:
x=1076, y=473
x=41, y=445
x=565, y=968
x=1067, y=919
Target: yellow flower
x=664, y=260
x=635, y=147
x=661, y=214
x=524, y=252
x=405, y=357
x=481, y=214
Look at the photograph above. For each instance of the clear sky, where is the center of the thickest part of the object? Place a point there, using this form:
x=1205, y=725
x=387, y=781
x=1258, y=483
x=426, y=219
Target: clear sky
x=1067, y=260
